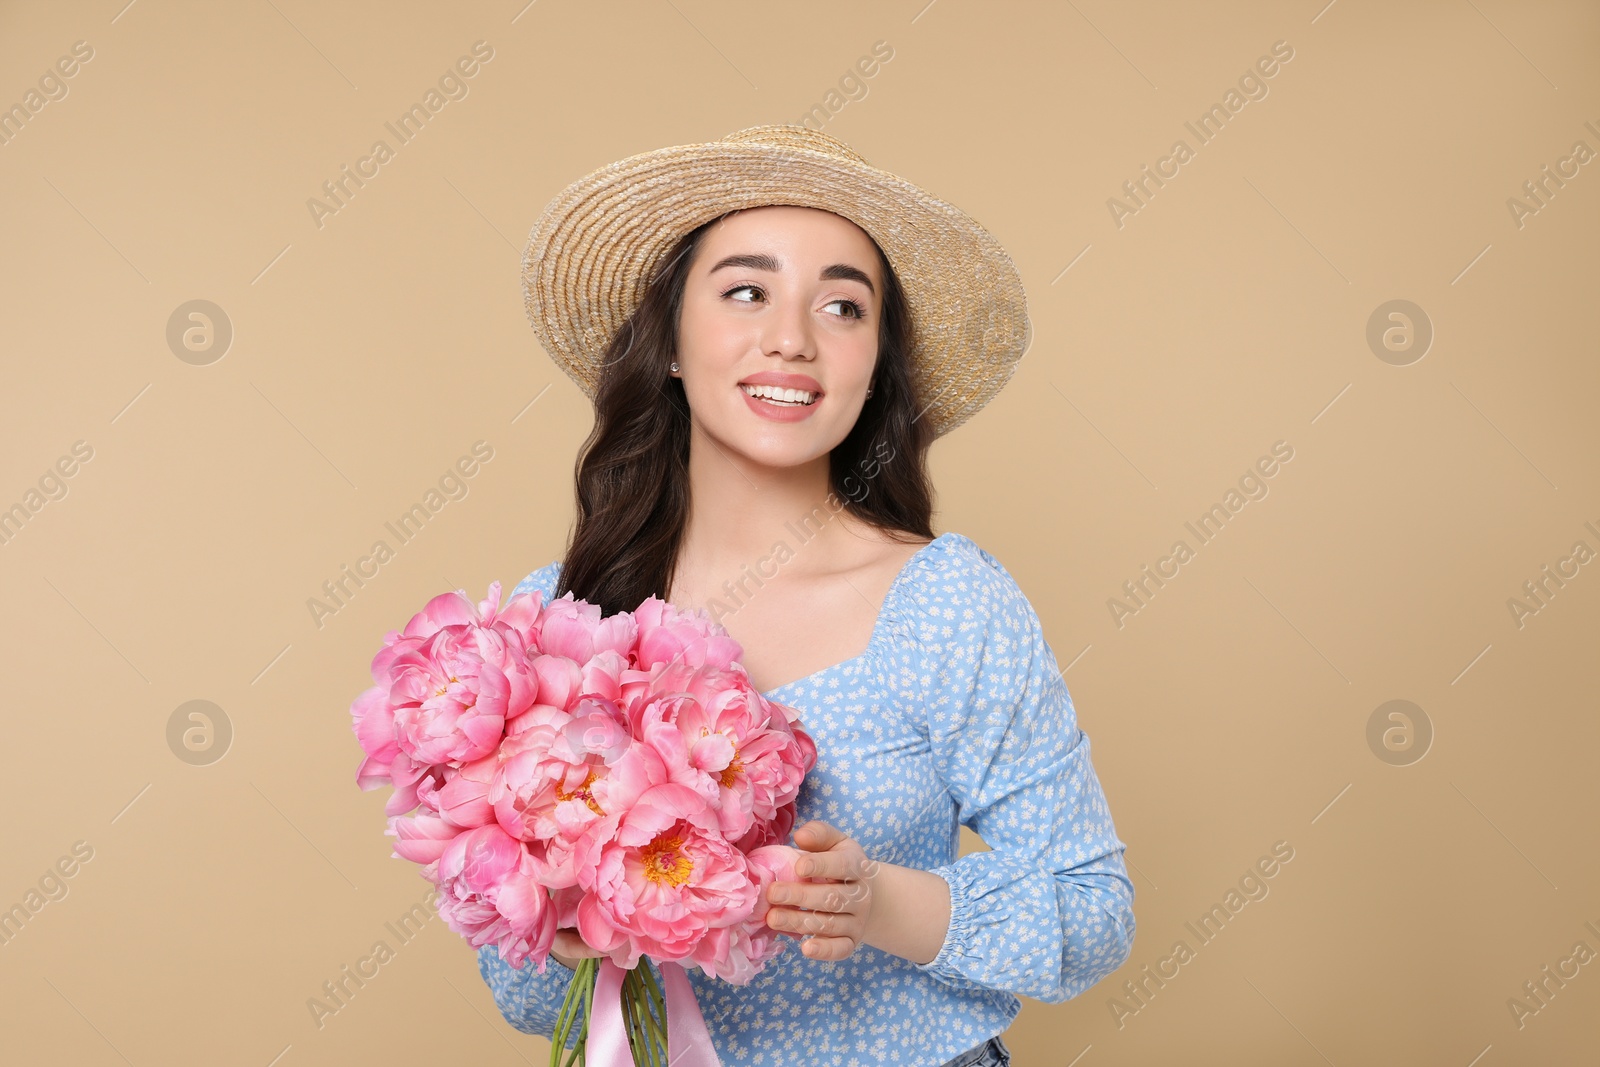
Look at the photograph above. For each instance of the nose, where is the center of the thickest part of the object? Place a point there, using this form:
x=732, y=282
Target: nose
x=786, y=330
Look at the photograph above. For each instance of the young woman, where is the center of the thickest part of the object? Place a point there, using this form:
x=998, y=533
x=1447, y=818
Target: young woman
x=773, y=332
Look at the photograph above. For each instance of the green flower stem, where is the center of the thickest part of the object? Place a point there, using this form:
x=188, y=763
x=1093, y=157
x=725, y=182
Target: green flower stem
x=658, y=999
x=558, y=1039
x=657, y=1022
x=644, y=1016
x=592, y=969
x=655, y=1025
x=630, y=1020
x=650, y=1032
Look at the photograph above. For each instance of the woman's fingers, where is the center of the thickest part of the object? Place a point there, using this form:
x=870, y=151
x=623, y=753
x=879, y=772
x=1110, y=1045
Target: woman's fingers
x=819, y=896
x=818, y=836
x=837, y=863
x=817, y=947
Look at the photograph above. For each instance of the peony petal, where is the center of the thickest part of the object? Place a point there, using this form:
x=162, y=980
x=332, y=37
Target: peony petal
x=446, y=609
x=422, y=838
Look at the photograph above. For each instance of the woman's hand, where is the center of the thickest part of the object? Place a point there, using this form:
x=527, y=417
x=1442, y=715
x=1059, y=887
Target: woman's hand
x=568, y=948
x=827, y=913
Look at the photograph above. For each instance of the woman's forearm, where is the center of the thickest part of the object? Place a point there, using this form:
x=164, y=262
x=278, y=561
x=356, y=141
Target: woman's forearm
x=910, y=914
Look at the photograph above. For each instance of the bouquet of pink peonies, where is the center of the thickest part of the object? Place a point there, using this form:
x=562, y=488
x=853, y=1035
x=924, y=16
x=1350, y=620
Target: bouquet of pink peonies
x=619, y=775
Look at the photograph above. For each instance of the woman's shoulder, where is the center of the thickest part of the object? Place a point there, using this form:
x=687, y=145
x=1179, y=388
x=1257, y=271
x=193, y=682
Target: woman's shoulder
x=958, y=588
x=961, y=622
x=957, y=566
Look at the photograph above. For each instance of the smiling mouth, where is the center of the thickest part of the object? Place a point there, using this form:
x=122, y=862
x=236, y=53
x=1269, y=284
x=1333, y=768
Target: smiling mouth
x=790, y=398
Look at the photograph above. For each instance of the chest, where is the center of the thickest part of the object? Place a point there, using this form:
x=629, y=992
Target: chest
x=790, y=624
x=791, y=630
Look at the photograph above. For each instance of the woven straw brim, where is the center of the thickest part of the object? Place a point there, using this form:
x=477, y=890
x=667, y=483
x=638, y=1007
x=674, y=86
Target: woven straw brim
x=597, y=244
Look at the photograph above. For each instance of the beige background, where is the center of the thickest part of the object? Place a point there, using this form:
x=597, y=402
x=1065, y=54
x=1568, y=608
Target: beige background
x=1230, y=312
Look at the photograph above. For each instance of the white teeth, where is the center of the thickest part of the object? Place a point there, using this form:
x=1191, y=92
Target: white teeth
x=782, y=396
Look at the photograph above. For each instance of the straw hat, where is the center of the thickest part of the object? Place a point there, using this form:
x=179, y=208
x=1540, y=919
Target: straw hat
x=596, y=245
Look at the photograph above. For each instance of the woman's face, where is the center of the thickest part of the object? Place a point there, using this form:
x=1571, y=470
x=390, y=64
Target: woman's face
x=780, y=296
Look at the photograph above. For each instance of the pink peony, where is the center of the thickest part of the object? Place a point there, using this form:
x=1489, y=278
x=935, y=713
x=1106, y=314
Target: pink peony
x=745, y=747
x=736, y=953
x=575, y=629
x=670, y=635
x=462, y=796
x=446, y=685
x=663, y=895
x=487, y=894
x=618, y=775
x=542, y=789
x=454, y=692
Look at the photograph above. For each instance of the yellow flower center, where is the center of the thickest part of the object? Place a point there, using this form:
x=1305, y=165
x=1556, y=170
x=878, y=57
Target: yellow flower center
x=665, y=861
x=582, y=793
x=730, y=773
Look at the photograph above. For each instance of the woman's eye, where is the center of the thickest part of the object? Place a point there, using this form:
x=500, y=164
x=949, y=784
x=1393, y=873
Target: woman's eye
x=853, y=309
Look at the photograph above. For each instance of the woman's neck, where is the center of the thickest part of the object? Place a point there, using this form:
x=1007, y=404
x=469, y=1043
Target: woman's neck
x=739, y=510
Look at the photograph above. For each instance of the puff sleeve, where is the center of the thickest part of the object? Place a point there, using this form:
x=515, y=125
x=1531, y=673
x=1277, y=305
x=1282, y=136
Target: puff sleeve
x=1048, y=912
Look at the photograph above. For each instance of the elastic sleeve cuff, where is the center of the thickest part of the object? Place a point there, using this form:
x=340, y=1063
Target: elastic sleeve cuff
x=959, y=935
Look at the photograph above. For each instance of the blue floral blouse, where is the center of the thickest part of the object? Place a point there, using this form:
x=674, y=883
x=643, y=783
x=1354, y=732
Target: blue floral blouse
x=956, y=713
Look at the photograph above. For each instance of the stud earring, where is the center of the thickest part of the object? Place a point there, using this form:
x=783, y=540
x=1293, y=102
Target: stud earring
x=674, y=368
x=869, y=390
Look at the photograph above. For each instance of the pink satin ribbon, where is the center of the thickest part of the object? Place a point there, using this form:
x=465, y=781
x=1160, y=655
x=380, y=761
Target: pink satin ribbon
x=688, y=1040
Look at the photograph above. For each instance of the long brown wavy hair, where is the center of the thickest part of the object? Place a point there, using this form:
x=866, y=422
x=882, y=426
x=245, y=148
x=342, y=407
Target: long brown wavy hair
x=632, y=473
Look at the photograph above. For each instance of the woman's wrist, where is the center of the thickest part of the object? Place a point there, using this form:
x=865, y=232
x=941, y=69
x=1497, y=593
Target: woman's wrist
x=910, y=915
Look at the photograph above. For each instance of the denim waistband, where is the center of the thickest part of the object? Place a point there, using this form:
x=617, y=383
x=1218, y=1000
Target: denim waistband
x=992, y=1053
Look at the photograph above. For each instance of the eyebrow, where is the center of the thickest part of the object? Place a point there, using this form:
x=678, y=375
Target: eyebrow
x=765, y=261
